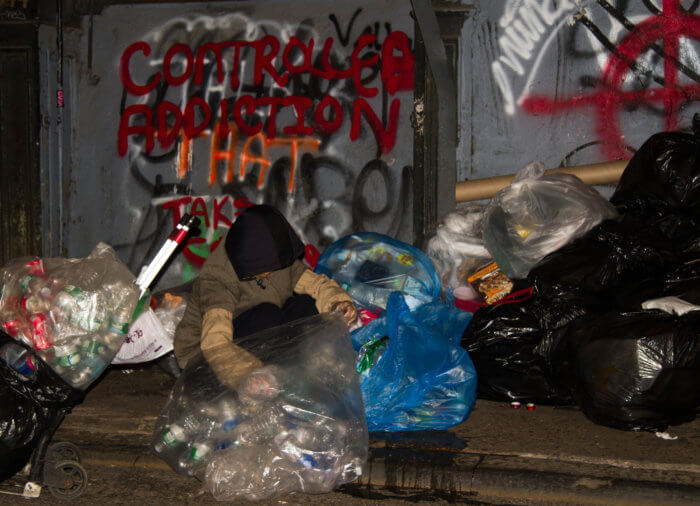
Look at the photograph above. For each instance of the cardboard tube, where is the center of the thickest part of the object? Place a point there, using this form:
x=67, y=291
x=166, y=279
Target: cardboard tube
x=593, y=174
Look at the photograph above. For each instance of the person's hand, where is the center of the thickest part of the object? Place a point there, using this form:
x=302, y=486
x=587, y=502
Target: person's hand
x=346, y=310
x=261, y=384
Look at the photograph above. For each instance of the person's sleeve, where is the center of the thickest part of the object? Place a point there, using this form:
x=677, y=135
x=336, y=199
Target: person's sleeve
x=324, y=291
x=214, y=294
x=229, y=361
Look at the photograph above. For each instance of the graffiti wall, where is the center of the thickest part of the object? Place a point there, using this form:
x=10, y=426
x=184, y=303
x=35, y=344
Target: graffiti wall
x=211, y=108
x=572, y=82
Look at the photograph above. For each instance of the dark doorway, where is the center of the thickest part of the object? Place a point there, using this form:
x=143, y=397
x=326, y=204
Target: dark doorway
x=20, y=206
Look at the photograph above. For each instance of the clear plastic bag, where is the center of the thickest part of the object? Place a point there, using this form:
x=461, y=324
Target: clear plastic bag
x=74, y=313
x=457, y=248
x=537, y=214
x=371, y=266
x=295, y=425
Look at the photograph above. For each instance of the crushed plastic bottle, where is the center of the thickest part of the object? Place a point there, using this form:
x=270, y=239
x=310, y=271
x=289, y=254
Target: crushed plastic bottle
x=263, y=427
x=19, y=359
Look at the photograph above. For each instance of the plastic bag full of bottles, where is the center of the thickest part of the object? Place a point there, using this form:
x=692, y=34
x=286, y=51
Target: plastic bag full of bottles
x=371, y=266
x=74, y=313
x=305, y=433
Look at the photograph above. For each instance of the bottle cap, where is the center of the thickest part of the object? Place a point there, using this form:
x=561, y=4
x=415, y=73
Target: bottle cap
x=515, y=405
x=530, y=406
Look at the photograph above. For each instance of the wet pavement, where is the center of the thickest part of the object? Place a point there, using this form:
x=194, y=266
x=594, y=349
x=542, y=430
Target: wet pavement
x=498, y=456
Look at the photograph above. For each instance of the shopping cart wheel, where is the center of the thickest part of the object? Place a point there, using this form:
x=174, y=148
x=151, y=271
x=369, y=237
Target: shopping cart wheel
x=65, y=480
x=59, y=452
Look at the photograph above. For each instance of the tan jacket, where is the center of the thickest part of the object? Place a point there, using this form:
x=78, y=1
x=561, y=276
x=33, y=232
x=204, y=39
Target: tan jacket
x=218, y=296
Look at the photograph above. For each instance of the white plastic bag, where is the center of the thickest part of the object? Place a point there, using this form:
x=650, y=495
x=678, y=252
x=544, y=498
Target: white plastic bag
x=152, y=334
x=457, y=248
x=537, y=214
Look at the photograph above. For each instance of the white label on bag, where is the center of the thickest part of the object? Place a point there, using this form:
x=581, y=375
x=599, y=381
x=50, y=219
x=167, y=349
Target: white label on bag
x=147, y=340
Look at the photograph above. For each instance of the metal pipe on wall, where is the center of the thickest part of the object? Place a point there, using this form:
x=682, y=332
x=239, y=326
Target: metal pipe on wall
x=593, y=174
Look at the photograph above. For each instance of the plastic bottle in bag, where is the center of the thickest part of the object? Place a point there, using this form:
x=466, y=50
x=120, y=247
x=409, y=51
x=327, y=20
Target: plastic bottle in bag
x=118, y=327
x=368, y=296
x=19, y=359
x=171, y=437
x=263, y=427
x=77, y=307
x=196, y=456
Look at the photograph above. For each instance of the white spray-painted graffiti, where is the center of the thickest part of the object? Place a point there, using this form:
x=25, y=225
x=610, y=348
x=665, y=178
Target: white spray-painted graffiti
x=626, y=68
x=524, y=23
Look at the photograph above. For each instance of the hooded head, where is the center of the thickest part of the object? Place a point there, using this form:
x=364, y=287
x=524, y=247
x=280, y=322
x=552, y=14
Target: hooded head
x=262, y=240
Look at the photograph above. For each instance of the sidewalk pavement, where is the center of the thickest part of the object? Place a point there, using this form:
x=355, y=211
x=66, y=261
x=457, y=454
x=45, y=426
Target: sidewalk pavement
x=499, y=455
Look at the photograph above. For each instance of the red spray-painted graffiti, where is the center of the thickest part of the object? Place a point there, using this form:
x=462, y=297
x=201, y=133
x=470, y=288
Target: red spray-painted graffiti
x=609, y=98
x=197, y=249
x=396, y=75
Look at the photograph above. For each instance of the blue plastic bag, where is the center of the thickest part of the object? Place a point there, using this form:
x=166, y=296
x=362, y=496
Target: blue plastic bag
x=371, y=266
x=420, y=377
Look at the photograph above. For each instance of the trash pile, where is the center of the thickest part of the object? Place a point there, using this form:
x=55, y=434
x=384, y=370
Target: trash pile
x=295, y=425
x=407, y=335
x=74, y=313
x=572, y=317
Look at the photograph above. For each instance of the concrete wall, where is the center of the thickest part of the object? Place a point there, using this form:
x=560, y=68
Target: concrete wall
x=567, y=82
x=137, y=156
x=571, y=82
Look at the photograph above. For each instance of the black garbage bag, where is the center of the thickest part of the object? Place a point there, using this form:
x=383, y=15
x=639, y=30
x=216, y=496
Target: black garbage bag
x=684, y=282
x=663, y=179
x=633, y=371
x=20, y=423
x=28, y=407
x=510, y=350
x=619, y=263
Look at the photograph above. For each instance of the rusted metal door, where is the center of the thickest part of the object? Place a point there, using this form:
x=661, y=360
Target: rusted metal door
x=20, y=206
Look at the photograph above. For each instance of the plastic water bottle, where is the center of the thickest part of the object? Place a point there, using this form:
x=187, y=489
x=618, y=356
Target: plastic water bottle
x=19, y=359
x=77, y=308
x=198, y=423
x=263, y=427
x=171, y=437
x=94, y=357
x=118, y=327
x=67, y=356
x=228, y=413
x=367, y=295
x=196, y=456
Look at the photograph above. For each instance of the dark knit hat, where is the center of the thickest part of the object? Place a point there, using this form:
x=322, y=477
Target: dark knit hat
x=262, y=240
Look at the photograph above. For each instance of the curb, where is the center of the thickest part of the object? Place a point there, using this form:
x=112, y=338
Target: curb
x=456, y=476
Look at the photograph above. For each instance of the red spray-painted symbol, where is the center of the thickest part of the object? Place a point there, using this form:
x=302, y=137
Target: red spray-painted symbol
x=609, y=97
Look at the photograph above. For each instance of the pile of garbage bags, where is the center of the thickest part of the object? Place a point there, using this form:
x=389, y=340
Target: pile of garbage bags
x=587, y=333
x=73, y=313
x=295, y=425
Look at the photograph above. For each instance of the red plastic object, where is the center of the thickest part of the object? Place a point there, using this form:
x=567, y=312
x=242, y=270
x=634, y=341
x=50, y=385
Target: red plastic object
x=311, y=255
x=471, y=306
x=366, y=316
x=518, y=296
